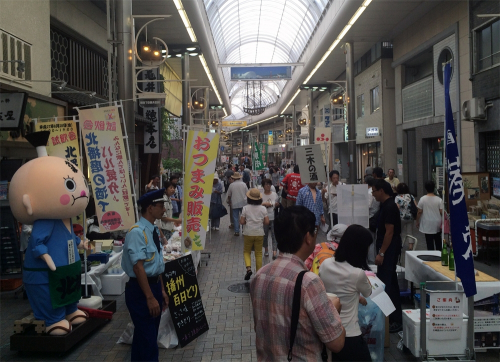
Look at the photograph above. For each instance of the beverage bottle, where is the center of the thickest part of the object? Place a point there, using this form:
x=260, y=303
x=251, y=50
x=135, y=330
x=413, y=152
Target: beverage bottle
x=444, y=255
x=451, y=262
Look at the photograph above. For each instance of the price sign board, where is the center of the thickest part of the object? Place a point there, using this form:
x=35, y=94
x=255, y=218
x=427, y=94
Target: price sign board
x=185, y=304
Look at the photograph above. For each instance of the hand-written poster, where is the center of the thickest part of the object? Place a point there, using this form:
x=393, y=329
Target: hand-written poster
x=446, y=315
x=63, y=140
x=199, y=165
x=311, y=165
x=107, y=160
x=185, y=304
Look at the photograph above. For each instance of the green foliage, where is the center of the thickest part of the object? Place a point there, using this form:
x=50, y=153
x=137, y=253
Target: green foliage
x=169, y=131
x=172, y=164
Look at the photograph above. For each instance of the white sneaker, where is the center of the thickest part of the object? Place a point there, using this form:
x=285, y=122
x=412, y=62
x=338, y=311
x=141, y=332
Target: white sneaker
x=216, y=228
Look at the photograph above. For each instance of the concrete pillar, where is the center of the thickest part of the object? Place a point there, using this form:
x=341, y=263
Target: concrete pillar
x=125, y=70
x=186, y=96
x=294, y=126
x=351, y=116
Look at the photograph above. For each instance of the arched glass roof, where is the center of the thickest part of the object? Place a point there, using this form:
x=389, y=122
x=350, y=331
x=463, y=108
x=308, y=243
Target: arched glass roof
x=261, y=31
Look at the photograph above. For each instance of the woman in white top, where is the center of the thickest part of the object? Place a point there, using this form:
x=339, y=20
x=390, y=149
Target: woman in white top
x=166, y=223
x=269, y=201
x=344, y=275
x=254, y=217
x=430, y=208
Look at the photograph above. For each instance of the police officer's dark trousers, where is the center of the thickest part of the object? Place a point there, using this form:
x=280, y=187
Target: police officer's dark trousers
x=144, y=345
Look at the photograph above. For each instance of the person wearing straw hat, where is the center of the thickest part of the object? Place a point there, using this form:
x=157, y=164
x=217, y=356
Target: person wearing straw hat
x=254, y=216
x=237, y=198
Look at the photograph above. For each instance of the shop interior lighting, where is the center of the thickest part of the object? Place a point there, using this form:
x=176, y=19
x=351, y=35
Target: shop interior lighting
x=185, y=20
x=344, y=31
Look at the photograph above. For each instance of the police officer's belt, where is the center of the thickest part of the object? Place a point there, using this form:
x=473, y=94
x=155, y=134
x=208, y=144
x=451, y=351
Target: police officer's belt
x=151, y=280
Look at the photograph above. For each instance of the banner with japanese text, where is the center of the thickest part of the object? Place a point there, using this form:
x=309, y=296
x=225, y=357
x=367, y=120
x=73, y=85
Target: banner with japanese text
x=263, y=152
x=459, y=222
x=199, y=166
x=63, y=143
x=323, y=137
x=258, y=163
x=109, y=170
x=63, y=140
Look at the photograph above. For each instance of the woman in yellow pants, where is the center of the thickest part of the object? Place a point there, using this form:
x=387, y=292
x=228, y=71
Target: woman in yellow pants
x=254, y=217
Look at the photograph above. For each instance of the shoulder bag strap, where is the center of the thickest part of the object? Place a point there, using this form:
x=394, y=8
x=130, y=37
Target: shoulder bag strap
x=295, y=311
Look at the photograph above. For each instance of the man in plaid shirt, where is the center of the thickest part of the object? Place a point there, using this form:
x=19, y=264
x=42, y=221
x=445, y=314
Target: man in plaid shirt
x=272, y=296
x=310, y=197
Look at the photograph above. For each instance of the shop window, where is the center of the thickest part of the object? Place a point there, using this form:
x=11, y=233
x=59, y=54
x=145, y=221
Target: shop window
x=360, y=105
x=374, y=99
x=488, y=46
x=13, y=51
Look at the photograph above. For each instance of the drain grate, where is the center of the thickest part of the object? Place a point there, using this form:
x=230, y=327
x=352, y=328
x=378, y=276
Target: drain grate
x=239, y=288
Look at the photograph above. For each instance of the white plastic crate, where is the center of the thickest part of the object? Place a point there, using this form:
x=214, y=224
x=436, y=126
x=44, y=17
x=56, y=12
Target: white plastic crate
x=113, y=284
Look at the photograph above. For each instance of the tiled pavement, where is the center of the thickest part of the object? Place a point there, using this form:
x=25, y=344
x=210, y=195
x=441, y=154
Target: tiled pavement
x=231, y=336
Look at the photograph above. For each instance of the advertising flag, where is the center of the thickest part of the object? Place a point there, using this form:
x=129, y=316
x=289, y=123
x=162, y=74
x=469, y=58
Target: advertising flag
x=199, y=164
x=459, y=222
x=63, y=140
x=109, y=172
x=258, y=163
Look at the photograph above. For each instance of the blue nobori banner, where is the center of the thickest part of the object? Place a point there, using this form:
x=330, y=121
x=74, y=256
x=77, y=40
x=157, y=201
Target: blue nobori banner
x=459, y=222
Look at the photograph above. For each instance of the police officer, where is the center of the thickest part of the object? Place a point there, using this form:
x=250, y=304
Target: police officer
x=143, y=262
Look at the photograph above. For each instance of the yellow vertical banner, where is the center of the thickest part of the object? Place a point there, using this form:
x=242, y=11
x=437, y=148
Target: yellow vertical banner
x=63, y=143
x=199, y=165
x=63, y=140
x=109, y=171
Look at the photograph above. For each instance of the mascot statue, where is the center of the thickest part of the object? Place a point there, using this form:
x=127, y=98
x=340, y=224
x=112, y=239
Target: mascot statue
x=47, y=192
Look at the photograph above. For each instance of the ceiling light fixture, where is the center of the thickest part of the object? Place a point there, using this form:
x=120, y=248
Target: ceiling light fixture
x=210, y=78
x=190, y=49
x=185, y=20
x=344, y=31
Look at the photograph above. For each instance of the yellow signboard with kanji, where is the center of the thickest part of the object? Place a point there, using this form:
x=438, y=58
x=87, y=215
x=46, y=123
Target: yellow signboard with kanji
x=63, y=140
x=234, y=123
x=109, y=171
x=199, y=164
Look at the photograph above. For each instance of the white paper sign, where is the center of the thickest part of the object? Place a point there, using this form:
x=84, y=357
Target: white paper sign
x=446, y=315
x=352, y=204
x=380, y=297
x=311, y=165
x=323, y=137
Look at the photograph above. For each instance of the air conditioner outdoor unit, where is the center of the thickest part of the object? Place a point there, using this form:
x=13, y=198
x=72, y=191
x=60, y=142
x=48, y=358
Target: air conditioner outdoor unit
x=474, y=109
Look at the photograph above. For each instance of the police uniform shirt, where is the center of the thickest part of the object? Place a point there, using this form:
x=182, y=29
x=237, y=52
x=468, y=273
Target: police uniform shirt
x=139, y=245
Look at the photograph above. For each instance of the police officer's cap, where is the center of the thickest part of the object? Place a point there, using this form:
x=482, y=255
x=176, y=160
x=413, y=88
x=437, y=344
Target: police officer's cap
x=151, y=197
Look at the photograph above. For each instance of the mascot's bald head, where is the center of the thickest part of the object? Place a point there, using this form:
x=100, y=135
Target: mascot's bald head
x=47, y=187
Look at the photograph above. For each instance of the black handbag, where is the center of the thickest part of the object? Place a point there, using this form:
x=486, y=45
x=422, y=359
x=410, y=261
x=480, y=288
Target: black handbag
x=413, y=208
x=217, y=210
x=295, y=316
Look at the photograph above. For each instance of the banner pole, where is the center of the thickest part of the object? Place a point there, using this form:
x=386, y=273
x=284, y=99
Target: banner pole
x=131, y=173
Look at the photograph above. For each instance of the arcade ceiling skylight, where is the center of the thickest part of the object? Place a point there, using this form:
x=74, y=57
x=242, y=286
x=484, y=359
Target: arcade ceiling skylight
x=261, y=31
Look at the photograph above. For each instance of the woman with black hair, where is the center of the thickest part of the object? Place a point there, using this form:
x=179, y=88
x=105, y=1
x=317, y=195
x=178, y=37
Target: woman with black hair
x=344, y=275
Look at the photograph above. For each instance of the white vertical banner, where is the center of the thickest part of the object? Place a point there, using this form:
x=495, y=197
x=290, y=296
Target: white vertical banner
x=311, y=165
x=352, y=204
x=446, y=315
x=322, y=135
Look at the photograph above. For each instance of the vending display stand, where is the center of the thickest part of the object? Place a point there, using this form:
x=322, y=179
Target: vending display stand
x=444, y=289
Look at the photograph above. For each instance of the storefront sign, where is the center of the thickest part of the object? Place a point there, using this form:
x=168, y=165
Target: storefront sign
x=234, y=123
x=12, y=107
x=185, y=304
x=276, y=148
x=446, y=315
x=109, y=169
x=152, y=112
x=201, y=153
x=327, y=115
x=372, y=131
x=63, y=140
x=322, y=137
x=311, y=165
x=270, y=138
